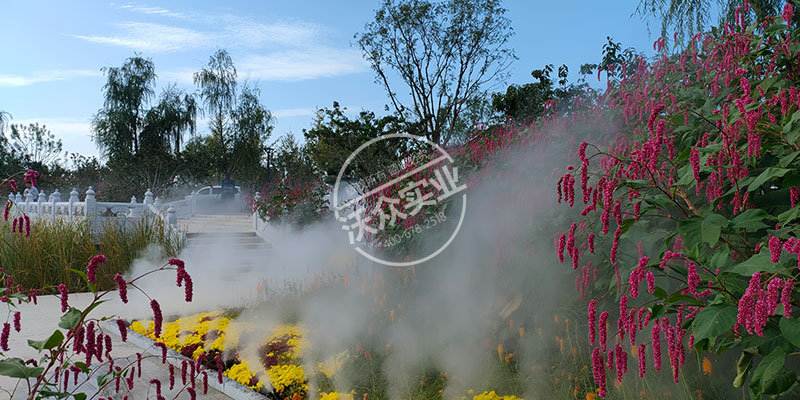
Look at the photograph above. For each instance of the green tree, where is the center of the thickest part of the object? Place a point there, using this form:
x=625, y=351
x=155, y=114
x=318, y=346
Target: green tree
x=128, y=89
x=520, y=102
x=167, y=122
x=444, y=54
x=687, y=17
x=252, y=125
x=240, y=124
x=293, y=161
x=334, y=137
x=217, y=83
x=34, y=146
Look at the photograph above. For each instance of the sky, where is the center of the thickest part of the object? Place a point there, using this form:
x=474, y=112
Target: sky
x=301, y=54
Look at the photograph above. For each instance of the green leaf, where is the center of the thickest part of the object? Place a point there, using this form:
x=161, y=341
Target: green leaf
x=767, y=174
x=79, y=396
x=766, y=371
x=16, y=368
x=713, y=321
x=757, y=263
x=743, y=367
x=786, y=160
x=694, y=230
x=752, y=219
x=788, y=216
x=103, y=379
x=790, y=328
x=49, y=393
x=659, y=292
x=720, y=257
x=82, y=366
x=782, y=382
x=657, y=310
x=53, y=341
x=70, y=319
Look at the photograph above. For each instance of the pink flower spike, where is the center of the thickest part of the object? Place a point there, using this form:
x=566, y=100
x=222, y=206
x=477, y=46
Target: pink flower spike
x=592, y=322
x=91, y=268
x=17, y=324
x=62, y=290
x=122, y=287
x=4, y=337
x=642, y=360
x=775, y=249
x=123, y=329
x=157, y=317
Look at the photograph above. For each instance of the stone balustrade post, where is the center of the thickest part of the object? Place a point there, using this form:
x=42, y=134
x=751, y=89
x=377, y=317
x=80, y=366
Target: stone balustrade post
x=256, y=199
x=148, y=200
x=193, y=202
x=40, y=206
x=172, y=217
x=29, y=200
x=73, y=198
x=91, y=208
x=55, y=197
x=132, y=210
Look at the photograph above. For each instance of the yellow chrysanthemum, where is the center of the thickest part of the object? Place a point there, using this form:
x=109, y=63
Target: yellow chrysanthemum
x=241, y=373
x=494, y=396
x=336, y=396
x=137, y=327
x=286, y=375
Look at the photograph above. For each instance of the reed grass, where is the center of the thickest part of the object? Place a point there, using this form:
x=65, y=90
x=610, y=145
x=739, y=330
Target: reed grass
x=44, y=259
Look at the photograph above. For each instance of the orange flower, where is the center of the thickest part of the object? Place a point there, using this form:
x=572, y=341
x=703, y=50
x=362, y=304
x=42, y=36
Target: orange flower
x=591, y=396
x=521, y=332
x=500, y=350
x=706, y=366
x=391, y=314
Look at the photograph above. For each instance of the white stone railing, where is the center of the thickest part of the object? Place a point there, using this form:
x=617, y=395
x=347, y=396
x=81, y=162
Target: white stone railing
x=92, y=210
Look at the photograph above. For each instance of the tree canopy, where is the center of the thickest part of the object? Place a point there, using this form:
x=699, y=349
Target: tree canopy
x=444, y=54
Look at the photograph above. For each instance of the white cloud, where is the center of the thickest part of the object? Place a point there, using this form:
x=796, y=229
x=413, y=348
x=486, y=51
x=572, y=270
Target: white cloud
x=7, y=80
x=152, y=10
x=287, y=65
x=302, y=64
x=144, y=36
x=280, y=50
x=293, y=112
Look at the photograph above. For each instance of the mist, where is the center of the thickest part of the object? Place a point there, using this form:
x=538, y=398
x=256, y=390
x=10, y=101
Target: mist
x=497, y=291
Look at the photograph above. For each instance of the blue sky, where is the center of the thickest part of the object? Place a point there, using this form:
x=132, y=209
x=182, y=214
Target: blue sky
x=299, y=53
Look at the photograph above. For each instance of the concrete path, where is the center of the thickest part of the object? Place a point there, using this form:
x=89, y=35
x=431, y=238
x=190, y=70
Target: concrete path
x=39, y=321
x=204, y=233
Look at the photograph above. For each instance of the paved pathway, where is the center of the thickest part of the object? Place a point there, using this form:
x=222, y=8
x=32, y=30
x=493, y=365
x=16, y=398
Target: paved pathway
x=38, y=322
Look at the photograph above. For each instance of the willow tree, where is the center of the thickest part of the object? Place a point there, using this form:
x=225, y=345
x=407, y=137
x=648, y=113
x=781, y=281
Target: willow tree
x=680, y=19
x=168, y=121
x=129, y=126
x=240, y=124
x=217, y=83
x=444, y=54
x=128, y=90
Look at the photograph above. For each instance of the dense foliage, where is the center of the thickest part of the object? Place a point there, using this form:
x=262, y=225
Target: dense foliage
x=695, y=193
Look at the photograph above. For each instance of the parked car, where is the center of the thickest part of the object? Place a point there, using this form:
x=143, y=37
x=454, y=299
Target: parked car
x=217, y=191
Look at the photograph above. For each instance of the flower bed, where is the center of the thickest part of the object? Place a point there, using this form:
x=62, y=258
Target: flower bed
x=222, y=344
x=213, y=340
